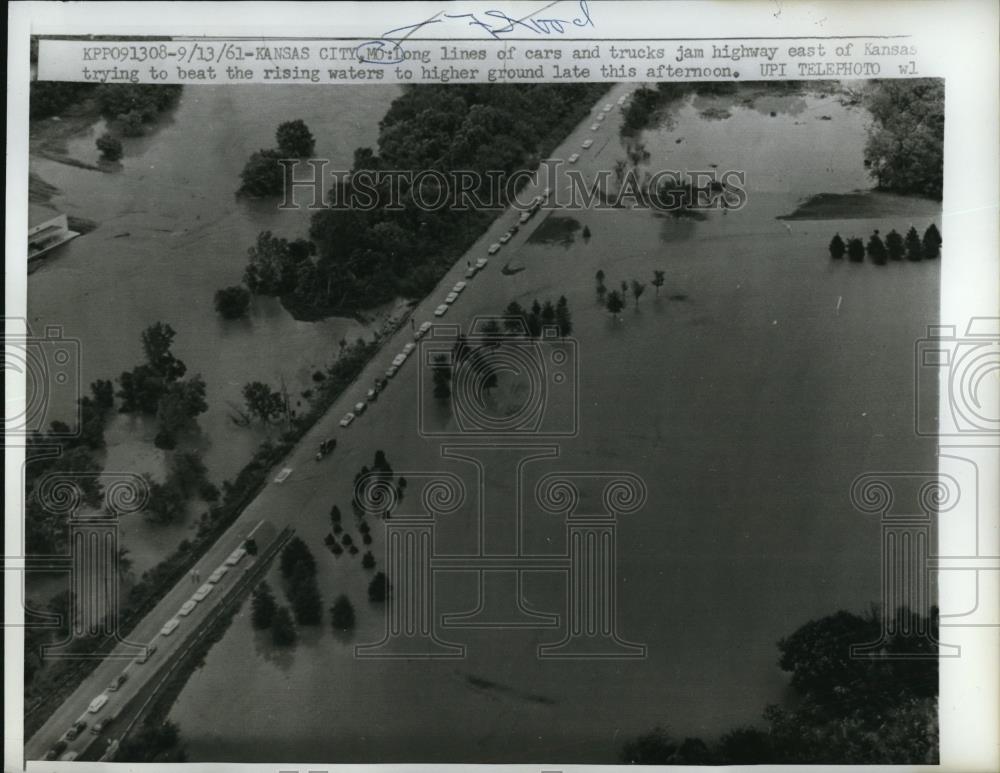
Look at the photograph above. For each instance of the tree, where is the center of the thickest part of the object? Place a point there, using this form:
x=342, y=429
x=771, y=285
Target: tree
x=273, y=264
x=262, y=401
x=232, y=302
x=262, y=175
x=104, y=395
x=515, y=318
x=563, y=318
x=548, y=315
x=599, y=276
x=658, y=279
x=156, y=342
x=295, y=554
x=855, y=250
x=914, y=248
x=894, y=245
x=283, y=632
x=837, y=247
x=535, y=319
x=615, y=303
x=818, y=655
x=932, y=242
x=368, y=560
x=335, y=515
x=166, y=503
x=876, y=249
x=182, y=402
x=263, y=606
x=624, y=293
x=189, y=475
x=601, y=292
x=110, y=147
x=294, y=139
x=342, y=613
x=638, y=288
x=586, y=232
x=303, y=593
x=379, y=588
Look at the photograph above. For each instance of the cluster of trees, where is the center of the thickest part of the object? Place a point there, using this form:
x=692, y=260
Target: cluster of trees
x=263, y=175
x=540, y=316
x=342, y=614
x=894, y=247
x=616, y=300
x=156, y=387
x=905, y=147
x=266, y=614
x=263, y=402
x=48, y=98
x=847, y=710
x=132, y=105
x=69, y=450
x=645, y=101
x=515, y=322
x=366, y=256
x=275, y=266
x=232, y=302
x=110, y=146
x=153, y=741
x=128, y=108
x=298, y=567
x=187, y=478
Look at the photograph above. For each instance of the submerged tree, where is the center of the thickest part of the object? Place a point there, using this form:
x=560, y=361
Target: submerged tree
x=876, y=249
x=615, y=304
x=837, y=247
x=914, y=249
x=932, y=242
x=283, y=632
x=342, y=613
x=263, y=606
x=894, y=245
x=855, y=250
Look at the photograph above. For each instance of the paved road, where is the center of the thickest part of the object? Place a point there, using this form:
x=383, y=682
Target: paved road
x=280, y=503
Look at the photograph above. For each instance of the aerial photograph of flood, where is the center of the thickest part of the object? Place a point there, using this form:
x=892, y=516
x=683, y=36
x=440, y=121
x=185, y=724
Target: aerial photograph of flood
x=565, y=475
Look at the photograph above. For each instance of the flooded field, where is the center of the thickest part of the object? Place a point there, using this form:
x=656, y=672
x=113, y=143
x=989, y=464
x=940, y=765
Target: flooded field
x=747, y=393
x=171, y=232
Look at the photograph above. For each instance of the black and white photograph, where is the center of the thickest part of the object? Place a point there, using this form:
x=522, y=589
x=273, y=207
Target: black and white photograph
x=492, y=388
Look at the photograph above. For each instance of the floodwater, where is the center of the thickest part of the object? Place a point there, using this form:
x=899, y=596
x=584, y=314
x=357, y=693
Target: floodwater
x=171, y=232
x=747, y=394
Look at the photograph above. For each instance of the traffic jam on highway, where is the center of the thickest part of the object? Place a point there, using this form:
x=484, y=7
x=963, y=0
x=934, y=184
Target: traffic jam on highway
x=98, y=703
x=325, y=448
x=472, y=269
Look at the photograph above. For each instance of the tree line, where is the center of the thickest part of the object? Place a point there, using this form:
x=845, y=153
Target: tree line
x=846, y=710
x=357, y=258
x=616, y=300
x=904, y=151
x=893, y=247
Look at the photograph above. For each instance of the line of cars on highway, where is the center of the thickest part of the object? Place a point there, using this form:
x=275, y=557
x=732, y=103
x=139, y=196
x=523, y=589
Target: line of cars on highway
x=598, y=119
x=397, y=362
x=98, y=703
